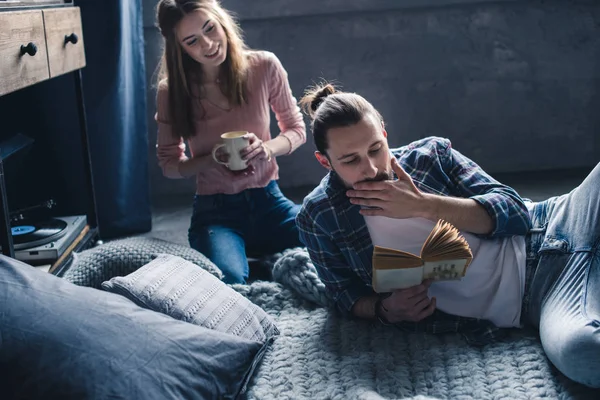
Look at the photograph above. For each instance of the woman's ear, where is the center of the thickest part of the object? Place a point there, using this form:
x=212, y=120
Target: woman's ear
x=323, y=160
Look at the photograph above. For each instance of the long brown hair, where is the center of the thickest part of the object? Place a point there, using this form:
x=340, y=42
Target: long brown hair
x=178, y=70
x=329, y=108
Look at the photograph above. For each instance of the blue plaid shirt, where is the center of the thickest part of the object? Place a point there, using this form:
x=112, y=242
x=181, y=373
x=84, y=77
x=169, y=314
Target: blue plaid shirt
x=336, y=235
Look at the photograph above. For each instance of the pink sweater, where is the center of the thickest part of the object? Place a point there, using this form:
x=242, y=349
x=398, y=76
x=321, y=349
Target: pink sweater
x=268, y=87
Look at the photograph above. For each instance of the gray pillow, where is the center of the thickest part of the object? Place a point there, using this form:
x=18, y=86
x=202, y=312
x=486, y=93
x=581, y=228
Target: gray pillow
x=63, y=341
x=120, y=257
x=176, y=287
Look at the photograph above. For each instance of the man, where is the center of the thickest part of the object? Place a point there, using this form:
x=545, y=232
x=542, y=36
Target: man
x=536, y=263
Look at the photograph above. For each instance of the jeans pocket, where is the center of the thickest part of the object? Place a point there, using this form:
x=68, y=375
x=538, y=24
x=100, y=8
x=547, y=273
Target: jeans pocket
x=553, y=244
x=538, y=212
x=272, y=190
x=553, y=256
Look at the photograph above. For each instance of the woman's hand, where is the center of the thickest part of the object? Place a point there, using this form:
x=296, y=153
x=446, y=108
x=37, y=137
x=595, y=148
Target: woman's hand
x=256, y=151
x=222, y=156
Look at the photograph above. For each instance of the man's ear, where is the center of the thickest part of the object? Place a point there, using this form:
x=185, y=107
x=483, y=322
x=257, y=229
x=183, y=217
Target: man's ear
x=383, y=127
x=323, y=160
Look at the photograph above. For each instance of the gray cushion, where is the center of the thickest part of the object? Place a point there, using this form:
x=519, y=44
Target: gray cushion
x=120, y=257
x=176, y=287
x=62, y=341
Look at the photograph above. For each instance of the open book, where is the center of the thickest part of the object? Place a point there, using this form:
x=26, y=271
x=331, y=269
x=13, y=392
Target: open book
x=445, y=255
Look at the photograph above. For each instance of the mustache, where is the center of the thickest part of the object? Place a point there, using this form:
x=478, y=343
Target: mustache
x=382, y=176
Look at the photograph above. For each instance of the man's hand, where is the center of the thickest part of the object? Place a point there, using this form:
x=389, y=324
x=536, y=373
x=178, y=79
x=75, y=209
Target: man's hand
x=398, y=198
x=412, y=304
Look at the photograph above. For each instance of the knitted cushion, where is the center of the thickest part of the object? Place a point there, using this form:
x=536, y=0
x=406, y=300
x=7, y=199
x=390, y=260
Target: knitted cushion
x=176, y=287
x=120, y=257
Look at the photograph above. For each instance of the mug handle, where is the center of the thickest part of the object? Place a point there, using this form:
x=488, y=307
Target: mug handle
x=214, y=154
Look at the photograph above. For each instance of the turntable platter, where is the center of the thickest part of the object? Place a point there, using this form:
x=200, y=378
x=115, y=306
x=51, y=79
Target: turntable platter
x=28, y=234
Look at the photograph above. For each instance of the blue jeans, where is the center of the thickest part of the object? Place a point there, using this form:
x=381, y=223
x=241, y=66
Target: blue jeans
x=257, y=222
x=562, y=294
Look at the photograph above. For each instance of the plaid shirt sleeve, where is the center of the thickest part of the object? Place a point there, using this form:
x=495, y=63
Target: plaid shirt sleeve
x=502, y=203
x=335, y=273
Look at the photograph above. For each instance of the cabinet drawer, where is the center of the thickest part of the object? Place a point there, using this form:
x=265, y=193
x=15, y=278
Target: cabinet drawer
x=22, y=30
x=64, y=38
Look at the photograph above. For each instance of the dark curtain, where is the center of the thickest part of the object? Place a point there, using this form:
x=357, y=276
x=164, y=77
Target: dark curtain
x=115, y=93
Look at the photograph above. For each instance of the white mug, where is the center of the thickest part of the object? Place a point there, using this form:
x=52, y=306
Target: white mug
x=233, y=143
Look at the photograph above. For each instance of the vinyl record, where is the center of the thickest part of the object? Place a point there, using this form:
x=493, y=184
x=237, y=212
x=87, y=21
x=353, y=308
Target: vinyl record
x=30, y=234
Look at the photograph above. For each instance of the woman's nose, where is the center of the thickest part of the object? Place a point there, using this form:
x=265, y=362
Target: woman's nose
x=204, y=42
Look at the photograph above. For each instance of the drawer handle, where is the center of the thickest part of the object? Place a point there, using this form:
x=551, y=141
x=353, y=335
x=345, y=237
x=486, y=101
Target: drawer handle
x=30, y=49
x=71, y=38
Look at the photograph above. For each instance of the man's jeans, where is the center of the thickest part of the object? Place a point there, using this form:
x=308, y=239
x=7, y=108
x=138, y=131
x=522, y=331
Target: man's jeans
x=563, y=293
x=256, y=222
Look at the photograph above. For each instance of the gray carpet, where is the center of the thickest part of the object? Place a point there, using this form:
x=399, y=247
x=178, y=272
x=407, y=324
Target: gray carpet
x=320, y=355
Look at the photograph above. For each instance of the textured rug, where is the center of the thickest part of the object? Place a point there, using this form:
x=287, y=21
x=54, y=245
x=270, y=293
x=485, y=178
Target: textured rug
x=321, y=355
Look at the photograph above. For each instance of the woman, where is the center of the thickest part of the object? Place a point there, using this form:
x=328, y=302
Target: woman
x=211, y=83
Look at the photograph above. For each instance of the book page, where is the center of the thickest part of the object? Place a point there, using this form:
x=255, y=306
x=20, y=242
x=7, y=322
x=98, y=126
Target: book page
x=445, y=242
x=385, y=258
x=445, y=255
x=379, y=250
x=445, y=270
x=388, y=280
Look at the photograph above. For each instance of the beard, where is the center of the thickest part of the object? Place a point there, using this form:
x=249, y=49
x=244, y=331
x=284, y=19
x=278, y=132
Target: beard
x=381, y=176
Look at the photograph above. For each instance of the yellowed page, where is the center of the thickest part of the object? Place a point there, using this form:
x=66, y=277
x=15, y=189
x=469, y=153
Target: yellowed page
x=445, y=241
x=386, y=258
x=445, y=270
x=394, y=279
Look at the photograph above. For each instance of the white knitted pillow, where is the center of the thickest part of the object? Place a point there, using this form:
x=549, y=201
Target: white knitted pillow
x=176, y=287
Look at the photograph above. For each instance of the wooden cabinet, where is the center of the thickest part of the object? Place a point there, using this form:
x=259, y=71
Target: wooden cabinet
x=64, y=40
x=40, y=40
x=23, y=54
x=39, y=44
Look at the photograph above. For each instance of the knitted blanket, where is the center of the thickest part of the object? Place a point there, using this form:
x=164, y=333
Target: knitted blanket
x=322, y=355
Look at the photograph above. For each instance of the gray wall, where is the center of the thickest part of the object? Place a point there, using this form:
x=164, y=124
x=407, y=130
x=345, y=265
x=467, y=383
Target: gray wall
x=514, y=84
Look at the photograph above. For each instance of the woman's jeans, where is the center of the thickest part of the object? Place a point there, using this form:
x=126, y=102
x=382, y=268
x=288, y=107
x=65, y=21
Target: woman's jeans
x=562, y=296
x=226, y=227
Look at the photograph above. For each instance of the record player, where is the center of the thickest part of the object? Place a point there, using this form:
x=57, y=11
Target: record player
x=43, y=242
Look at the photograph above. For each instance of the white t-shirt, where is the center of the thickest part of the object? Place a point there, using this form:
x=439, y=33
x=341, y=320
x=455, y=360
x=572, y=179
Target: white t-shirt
x=493, y=286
